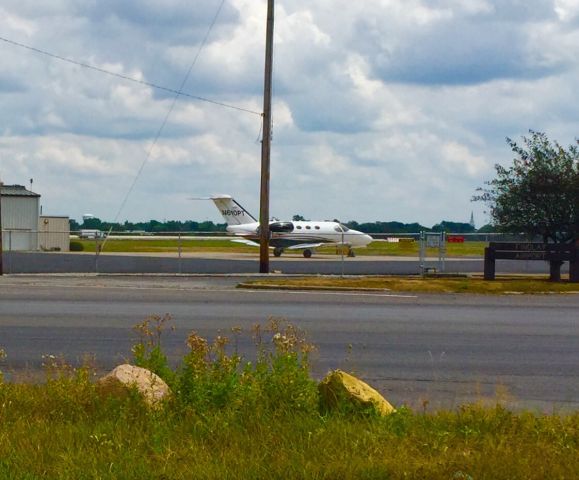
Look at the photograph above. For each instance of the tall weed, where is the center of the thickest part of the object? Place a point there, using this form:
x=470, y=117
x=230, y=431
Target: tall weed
x=2, y=357
x=148, y=352
x=214, y=375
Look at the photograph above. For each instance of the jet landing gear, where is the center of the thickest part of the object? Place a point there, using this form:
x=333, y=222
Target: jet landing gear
x=351, y=253
x=277, y=251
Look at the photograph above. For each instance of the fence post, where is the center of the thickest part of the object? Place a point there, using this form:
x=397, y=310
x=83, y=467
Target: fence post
x=574, y=264
x=179, y=246
x=422, y=252
x=555, y=270
x=442, y=252
x=489, y=268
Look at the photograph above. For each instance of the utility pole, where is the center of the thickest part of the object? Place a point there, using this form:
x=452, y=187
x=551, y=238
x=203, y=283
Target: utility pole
x=266, y=146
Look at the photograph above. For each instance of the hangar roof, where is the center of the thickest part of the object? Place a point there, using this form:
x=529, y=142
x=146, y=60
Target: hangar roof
x=17, y=191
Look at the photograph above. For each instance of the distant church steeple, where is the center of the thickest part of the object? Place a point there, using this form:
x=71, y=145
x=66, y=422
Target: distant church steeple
x=472, y=220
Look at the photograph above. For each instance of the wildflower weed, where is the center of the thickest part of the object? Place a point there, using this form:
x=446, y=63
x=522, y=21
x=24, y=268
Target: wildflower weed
x=2, y=357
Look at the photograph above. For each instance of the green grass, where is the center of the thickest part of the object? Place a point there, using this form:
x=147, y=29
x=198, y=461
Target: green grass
x=167, y=246
x=234, y=419
x=467, y=249
x=502, y=285
x=78, y=436
x=190, y=244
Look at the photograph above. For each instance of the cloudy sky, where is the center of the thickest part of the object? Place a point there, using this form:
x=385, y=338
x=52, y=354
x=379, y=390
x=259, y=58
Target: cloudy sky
x=383, y=109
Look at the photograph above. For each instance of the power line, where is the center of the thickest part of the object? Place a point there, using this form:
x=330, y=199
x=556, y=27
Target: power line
x=168, y=114
x=126, y=77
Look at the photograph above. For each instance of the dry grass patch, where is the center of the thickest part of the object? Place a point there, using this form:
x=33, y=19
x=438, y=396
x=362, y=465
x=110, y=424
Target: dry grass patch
x=503, y=285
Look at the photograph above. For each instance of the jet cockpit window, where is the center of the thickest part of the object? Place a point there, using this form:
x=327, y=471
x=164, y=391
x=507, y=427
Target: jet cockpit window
x=341, y=228
x=281, y=227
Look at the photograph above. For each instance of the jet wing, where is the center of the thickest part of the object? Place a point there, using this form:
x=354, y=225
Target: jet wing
x=303, y=246
x=245, y=241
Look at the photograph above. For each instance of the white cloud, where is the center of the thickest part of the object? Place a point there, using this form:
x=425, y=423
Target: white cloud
x=567, y=10
x=10, y=23
x=458, y=157
x=382, y=110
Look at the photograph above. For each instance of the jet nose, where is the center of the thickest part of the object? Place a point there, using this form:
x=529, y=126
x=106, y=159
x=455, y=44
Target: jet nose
x=367, y=239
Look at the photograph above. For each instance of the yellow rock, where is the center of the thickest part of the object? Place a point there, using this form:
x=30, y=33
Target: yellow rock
x=341, y=385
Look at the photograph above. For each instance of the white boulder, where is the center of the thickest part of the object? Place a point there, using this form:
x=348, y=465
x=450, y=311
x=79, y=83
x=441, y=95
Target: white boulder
x=152, y=387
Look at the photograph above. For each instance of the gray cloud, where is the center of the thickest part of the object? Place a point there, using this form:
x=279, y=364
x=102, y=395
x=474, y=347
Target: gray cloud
x=11, y=84
x=456, y=51
x=383, y=110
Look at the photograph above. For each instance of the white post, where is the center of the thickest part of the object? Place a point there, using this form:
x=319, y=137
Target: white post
x=180, y=269
x=342, y=248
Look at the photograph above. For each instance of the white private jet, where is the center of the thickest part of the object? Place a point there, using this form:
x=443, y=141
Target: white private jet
x=304, y=236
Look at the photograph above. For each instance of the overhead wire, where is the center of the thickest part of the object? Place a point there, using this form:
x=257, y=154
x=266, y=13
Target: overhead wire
x=168, y=114
x=126, y=77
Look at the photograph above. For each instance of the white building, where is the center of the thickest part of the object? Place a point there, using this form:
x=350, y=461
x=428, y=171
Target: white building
x=20, y=216
x=54, y=234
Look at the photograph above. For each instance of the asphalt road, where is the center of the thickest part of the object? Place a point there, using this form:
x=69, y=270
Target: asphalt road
x=435, y=350
x=225, y=263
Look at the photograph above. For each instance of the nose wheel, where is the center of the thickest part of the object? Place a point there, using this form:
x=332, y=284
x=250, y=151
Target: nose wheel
x=307, y=253
x=277, y=251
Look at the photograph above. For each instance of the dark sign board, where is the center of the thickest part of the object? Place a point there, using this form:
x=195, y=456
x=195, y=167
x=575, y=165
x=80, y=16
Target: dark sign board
x=553, y=253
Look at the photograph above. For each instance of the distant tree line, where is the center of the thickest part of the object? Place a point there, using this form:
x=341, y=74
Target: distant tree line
x=399, y=227
x=152, y=226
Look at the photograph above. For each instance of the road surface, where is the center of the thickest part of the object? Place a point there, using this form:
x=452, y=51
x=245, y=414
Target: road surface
x=435, y=350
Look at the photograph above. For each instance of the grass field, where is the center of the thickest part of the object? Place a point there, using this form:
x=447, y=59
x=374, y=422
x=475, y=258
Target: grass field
x=64, y=431
x=233, y=419
x=466, y=249
x=160, y=245
x=190, y=244
x=502, y=285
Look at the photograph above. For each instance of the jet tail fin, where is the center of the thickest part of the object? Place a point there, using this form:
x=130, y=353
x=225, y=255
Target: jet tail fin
x=232, y=212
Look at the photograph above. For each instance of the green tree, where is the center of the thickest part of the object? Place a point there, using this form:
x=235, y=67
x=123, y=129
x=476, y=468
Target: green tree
x=74, y=225
x=92, y=224
x=488, y=228
x=453, y=227
x=539, y=193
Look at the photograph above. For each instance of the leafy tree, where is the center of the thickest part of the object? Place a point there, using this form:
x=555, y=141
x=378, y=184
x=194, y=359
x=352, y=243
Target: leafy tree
x=387, y=227
x=92, y=224
x=539, y=193
x=488, y=228
x=453, y=227
x=74, y=225
x=298, y=218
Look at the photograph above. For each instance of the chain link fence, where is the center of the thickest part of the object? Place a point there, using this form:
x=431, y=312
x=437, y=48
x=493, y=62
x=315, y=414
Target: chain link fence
x=98, y=251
